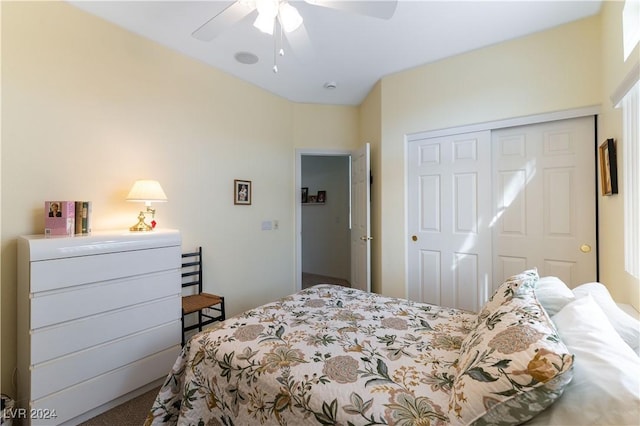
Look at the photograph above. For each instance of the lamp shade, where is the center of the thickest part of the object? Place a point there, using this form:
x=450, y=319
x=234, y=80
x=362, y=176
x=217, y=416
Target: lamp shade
x=147, y=191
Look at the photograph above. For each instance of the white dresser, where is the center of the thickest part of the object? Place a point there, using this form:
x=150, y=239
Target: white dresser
x=98, y=319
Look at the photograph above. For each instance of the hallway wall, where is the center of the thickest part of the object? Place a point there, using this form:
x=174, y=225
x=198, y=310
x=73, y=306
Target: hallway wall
x=325, y=227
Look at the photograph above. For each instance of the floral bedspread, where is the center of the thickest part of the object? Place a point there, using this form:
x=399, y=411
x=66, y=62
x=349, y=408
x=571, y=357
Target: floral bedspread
x=325, y=355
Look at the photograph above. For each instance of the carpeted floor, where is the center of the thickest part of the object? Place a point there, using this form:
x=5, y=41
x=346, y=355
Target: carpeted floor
x=131, y=413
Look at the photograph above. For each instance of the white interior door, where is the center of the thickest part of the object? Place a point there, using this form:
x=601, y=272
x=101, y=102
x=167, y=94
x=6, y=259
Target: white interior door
x=361, y=219
x=449, y=211
x=544, y=189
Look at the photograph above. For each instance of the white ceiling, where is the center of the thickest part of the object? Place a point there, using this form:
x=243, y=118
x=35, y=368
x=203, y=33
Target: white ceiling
x=354, y=51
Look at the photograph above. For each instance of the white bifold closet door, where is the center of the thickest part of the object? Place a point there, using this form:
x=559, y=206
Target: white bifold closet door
x=485, y=205
x=449, y=209
x=545, y=200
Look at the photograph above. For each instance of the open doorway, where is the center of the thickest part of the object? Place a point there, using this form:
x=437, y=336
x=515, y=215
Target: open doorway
x=325, y=219
x=357, y=221
x=321, y=173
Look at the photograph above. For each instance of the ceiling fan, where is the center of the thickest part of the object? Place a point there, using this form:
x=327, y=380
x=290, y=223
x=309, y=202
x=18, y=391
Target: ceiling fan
x=281, y=14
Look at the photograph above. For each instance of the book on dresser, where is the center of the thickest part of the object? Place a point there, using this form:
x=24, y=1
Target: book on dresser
x=67, y=218
x=99, y=320
x=59, y=217
x=83, y=217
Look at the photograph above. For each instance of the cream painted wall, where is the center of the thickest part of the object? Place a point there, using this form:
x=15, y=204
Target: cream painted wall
x=88, y=108
x=622, y=285
x=327, y=126
x=554, y=70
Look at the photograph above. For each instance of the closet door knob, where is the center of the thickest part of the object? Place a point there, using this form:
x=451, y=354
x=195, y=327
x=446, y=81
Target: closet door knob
x=414, y=238
x=585, y=248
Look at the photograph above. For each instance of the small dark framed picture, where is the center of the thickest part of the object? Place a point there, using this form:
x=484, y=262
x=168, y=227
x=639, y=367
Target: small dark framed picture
x=322, y=196
x=242, y=192
x=608, y=167
x=305, y=195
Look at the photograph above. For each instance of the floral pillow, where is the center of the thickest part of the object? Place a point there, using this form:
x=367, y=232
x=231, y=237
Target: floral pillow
x=512, y=365
x=524, y=282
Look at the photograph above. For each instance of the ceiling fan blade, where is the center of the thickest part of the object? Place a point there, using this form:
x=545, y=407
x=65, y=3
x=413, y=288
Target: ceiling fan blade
x=383, y=9
x=222, y=21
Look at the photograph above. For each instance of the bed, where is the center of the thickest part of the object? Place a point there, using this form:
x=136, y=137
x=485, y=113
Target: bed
x=335, y=355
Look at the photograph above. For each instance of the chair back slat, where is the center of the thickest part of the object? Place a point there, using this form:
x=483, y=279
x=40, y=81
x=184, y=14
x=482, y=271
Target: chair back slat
x=192, y=268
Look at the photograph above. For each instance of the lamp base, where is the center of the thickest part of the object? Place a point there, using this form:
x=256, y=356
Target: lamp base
x=141, y=226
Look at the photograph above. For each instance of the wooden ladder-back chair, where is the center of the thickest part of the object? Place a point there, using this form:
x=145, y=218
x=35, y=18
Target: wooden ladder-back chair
x=201, y=303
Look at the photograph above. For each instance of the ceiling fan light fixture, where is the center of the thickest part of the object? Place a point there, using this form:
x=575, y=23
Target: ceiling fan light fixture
x=267, y=12
x=268, y=7
x=289, y=17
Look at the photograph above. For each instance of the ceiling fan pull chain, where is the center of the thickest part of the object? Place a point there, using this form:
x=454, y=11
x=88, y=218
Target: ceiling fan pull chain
x=281, y=52
x=275, y=58
x=275, y=47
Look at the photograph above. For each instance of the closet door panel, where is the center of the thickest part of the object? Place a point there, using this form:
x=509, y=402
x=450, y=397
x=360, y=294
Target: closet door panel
x=545, y=200
x=449, y=250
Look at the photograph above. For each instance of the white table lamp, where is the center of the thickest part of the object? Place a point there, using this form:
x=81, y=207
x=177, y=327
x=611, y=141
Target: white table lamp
x=147, y=191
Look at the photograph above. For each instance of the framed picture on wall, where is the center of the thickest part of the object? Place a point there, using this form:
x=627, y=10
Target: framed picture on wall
x=322, y=196
x=608, y=167
x=241, y=192
x=305, y=195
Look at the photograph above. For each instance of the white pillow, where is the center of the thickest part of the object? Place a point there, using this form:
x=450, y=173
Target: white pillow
x=605, y=389
x=553, y=294
x=627, y=327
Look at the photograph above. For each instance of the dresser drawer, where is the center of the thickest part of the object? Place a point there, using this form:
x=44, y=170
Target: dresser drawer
x=54, y=307
x=72, y=271
x=61, y=373
x=65, y=338
x=76, y=400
